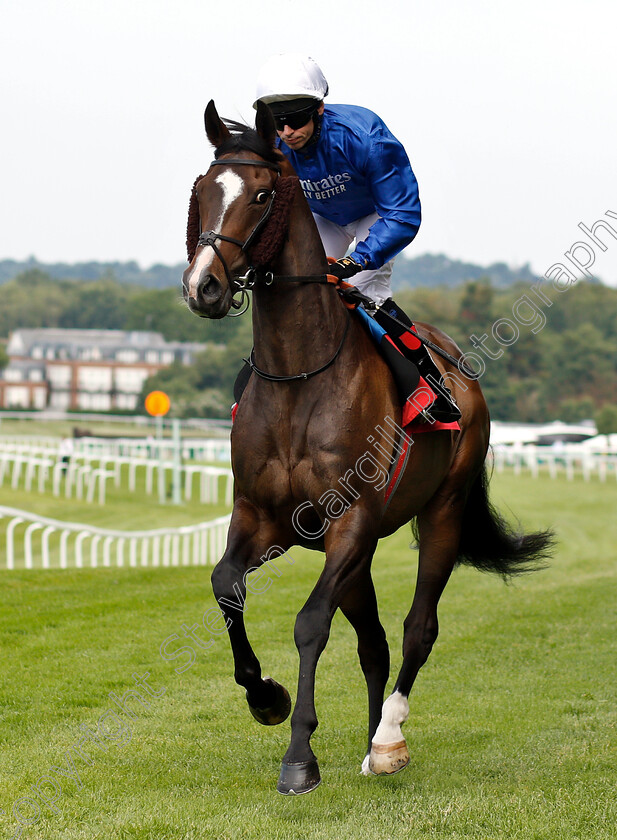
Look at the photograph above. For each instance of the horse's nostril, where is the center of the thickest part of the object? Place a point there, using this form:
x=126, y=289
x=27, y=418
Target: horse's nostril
x=209, y=289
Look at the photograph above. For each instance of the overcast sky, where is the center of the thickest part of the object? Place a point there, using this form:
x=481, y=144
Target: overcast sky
x=507, y=111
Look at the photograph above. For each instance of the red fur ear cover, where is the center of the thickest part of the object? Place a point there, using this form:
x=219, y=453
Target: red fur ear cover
x=273, y=235
x=192, y=225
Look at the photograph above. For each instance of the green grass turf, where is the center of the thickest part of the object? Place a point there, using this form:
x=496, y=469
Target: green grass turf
x=513, y=724
x=123, y=509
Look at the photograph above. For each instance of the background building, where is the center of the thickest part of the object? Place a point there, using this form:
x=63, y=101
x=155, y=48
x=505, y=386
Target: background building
x=89, y=370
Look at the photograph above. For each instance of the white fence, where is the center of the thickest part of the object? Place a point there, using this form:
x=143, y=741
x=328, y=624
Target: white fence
x=191, y=449
x=36, y=542
x=89, y=469
x=569, y=460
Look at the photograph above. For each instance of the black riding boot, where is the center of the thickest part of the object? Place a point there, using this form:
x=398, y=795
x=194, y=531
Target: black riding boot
x=444, y=409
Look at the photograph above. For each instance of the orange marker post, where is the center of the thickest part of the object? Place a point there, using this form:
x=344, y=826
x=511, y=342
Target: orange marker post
x=157, y=405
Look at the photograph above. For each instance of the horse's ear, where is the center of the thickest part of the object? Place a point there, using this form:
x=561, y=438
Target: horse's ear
x=216, y=129
x=264, y=123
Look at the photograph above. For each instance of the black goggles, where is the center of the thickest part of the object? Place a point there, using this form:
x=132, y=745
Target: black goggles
x=295, y=120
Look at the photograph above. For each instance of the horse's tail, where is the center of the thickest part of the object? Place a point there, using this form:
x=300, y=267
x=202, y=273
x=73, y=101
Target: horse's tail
x=490, y=544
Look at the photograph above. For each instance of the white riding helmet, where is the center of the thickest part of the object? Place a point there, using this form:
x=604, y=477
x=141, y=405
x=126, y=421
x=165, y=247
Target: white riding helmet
x=290, y=76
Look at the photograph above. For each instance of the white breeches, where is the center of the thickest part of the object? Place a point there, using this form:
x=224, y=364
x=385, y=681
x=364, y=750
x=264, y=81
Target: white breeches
x=336, y=240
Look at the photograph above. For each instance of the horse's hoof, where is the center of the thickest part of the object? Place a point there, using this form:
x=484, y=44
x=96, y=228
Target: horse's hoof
x=386, y=759
x=298, y=778
x=278, y=710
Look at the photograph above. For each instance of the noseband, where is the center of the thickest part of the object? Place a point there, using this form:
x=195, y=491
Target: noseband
x=210, y=237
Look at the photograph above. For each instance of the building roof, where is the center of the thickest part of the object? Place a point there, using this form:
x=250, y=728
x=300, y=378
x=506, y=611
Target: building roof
x=539, y=433
x=70, y=344
x=26, y=365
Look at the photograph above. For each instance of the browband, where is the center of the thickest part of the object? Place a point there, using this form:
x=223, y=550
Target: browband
x=246, y=162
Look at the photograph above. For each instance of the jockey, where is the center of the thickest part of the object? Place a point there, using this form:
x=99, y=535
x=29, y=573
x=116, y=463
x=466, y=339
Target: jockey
x=360, y=186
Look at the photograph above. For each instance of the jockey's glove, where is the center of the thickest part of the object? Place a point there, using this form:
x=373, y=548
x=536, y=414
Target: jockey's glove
x=345, y=268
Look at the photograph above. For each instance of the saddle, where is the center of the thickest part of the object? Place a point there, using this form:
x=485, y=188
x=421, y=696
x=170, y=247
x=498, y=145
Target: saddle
x=415, y=394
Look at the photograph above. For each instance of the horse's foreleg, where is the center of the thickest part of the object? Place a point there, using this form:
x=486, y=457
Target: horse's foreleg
x=268, y=701
x=439, y=532
x=360, y=608
x=348, y=557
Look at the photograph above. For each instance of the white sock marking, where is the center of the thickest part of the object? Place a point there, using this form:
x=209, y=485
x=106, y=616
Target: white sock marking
x=231, y=184
x=394, y=713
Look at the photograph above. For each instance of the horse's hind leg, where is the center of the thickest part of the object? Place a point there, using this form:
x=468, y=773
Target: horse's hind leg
x=247, y=548
x=439, y=526
x=360, y=608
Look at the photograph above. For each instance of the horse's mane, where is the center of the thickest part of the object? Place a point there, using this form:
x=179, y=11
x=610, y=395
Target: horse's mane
x=245, y=139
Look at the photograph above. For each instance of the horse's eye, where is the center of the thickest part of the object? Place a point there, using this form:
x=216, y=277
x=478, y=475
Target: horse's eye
x=262, y=196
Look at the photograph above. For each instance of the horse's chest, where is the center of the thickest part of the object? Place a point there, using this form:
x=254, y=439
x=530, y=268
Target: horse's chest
x=283, y=459
x=281, y=475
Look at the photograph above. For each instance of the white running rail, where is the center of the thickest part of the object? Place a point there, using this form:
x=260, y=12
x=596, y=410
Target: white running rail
x=30, y=467
x=36, y=542
x=571, y=460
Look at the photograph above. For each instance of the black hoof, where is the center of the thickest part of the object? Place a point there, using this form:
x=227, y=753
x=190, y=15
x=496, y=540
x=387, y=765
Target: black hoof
x=279, y=707
x=298, y=778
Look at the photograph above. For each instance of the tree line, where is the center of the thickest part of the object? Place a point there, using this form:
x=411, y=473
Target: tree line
x=423, y=270
x=543, y=354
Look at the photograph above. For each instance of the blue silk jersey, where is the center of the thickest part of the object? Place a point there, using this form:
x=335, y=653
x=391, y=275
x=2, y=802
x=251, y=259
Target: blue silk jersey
x=357, y=167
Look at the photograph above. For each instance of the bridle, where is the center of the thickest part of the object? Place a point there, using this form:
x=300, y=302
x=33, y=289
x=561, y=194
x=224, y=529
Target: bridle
x=210, y=237
x=247, y=282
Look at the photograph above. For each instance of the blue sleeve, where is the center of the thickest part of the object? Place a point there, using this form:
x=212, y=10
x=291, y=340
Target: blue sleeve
x=394, y=189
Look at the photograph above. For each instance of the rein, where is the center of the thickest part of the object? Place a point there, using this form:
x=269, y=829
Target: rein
x=351, y=296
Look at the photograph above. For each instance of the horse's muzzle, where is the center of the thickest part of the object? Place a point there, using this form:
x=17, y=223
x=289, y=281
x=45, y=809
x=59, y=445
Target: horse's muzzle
x=209, y=297
x=209, y=290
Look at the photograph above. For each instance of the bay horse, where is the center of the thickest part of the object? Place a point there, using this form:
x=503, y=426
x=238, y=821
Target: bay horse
x=319, y=394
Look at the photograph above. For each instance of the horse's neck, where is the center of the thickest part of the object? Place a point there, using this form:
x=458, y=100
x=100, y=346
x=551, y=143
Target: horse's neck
x=297, y=326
